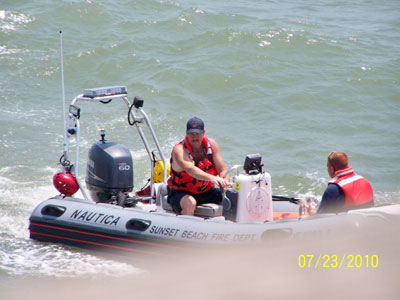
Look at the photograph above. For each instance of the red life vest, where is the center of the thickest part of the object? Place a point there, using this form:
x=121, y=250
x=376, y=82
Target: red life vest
x=183, y=181
x=357, y=190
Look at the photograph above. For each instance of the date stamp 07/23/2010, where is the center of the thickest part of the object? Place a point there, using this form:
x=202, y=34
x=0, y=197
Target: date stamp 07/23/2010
x=333, y=261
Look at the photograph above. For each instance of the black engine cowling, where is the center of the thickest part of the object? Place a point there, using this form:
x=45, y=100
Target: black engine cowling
x=109, y=173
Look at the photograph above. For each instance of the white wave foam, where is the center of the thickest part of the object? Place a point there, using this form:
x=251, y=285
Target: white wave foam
x=4, y=50
x=10, y=21
x=4, y=181
x=20, y=256
x=29, y=258
x=315, y=176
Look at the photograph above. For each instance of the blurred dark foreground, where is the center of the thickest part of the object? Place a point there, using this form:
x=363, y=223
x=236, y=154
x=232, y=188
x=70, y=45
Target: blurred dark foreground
x=363, y=264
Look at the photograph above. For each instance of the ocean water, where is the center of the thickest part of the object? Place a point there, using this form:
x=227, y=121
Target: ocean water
x=290, y=80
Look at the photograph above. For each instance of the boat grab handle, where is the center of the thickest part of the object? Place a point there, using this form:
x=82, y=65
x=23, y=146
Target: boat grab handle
x=235, y=167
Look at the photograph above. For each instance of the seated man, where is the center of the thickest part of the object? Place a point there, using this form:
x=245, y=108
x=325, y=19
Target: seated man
x=346, y=190
x=196, y=166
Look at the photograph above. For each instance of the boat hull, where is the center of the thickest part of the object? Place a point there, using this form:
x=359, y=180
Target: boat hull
x=107, y=227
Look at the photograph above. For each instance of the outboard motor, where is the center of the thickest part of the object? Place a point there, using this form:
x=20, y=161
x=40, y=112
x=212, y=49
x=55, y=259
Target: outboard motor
x=109, y=175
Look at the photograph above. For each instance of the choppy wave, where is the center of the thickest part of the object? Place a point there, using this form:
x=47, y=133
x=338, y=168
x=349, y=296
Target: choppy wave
x=32, y=259
x=20, y=256
x=290, y=81
x=11, y=20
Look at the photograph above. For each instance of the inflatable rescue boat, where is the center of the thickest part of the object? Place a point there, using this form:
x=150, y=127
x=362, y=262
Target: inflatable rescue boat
x=111, y=216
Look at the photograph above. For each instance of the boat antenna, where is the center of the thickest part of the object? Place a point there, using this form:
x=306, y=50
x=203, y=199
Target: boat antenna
x=65, y=158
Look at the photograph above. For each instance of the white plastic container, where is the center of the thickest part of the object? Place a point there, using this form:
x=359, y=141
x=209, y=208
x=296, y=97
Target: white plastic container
x=255, y=198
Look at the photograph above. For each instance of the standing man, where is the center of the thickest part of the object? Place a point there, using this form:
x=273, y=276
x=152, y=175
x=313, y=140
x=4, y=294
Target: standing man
x=346, y=190
x=196, y=166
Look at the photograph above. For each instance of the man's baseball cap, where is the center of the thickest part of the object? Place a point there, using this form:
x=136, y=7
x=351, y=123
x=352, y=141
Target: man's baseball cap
x=195, y=124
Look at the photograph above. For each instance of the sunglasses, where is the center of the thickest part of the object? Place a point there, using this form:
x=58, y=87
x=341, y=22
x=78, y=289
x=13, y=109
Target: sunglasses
x=329, y=157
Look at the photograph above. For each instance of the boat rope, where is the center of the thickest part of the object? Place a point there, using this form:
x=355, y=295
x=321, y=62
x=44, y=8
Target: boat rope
x=129, y=115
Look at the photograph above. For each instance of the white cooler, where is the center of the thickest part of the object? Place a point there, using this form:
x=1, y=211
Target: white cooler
x=255, y=197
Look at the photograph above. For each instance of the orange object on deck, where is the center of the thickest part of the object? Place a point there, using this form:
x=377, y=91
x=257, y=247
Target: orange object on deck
x=285, y=215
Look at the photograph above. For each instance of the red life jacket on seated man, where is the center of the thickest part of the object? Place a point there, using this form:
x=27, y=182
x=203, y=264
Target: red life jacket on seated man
x=357, y=190
x=183, y=181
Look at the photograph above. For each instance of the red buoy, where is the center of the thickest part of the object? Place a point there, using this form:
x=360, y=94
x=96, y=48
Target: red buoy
x=65, y=183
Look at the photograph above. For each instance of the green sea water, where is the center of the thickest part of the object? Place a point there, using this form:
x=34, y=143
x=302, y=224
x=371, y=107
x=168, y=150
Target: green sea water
x=290, y=80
